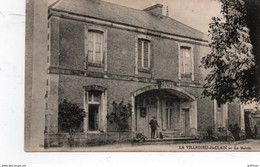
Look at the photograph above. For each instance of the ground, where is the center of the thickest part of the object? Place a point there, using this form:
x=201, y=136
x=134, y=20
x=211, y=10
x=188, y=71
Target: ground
x=243, y=145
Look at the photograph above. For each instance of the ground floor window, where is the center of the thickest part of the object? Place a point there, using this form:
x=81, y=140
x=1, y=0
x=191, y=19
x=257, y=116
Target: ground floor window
x=94, y=106
x=93, y=116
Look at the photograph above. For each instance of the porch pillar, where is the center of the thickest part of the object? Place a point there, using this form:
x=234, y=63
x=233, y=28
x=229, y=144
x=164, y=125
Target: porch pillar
x=133, y=114
x=158, y=114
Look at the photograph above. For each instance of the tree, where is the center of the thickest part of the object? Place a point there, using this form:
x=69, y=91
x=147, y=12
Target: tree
x=70, y=119
x=231, y=61
x=252, y=19
x=120, y=116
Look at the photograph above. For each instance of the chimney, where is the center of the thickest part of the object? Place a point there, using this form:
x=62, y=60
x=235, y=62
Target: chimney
x=155, y=10
x=95, y=1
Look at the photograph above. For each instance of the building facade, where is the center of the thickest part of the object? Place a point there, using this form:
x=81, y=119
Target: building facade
x=100, y=53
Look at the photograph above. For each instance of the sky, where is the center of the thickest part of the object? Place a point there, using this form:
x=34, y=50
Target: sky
x=194, y=13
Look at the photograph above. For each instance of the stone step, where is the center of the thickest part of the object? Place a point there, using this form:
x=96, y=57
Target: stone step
x=170, y=139
x=170, y=134
x=167, y=141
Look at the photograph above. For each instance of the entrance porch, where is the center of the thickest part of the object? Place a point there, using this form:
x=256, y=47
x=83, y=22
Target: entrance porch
x=174, y=109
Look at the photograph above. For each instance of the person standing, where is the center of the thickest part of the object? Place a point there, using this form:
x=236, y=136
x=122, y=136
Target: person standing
x=153, y=124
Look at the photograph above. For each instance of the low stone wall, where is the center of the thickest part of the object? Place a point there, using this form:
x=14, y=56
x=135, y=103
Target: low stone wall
x=85, y=139
x=222, y=135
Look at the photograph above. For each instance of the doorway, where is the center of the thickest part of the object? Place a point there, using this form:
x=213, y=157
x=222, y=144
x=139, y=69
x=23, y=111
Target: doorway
x=151, y=113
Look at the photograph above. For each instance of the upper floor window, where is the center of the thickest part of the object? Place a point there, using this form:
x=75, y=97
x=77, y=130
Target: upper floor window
x=95, y=47
x=143, y=53
x=186, y=61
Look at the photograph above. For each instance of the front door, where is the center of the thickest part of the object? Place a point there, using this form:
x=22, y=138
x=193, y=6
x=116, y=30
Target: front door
x=187, y=122
x=144, y=116
x=151, y=112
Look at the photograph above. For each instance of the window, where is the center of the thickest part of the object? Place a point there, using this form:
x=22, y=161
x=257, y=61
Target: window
x=186, y=60
x=94, y=98
x=95, y=47
x=95, y=105
x=143, y=54
x=147, y=101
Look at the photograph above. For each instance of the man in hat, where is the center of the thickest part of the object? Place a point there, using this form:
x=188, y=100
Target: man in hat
x=153, y=124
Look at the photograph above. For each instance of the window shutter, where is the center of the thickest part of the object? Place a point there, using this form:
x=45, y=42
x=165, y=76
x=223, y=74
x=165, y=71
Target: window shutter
x=98, y=47
x=136, y=55
x=188, y=60
x=139, y=53
x=151, y=61
x=192, y=65
x=180, y=62
x=86, y=47
x=105, y=51
x=146, y=58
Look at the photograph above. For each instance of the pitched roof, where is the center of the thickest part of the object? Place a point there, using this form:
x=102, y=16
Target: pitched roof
x=129, y=16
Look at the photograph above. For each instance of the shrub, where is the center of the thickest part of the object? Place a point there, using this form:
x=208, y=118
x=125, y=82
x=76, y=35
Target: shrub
x=70, y=119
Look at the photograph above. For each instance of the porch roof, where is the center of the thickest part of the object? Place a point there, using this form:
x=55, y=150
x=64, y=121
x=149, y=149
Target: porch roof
x=176, y=91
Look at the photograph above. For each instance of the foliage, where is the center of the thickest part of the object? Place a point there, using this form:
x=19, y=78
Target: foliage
x=140, y=137
x=70, y=117
x=120, y=115
x=231, y=61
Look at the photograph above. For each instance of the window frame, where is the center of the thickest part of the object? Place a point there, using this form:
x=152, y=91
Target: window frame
x=94, y=103
x=103, y=63
x=143, y=41
x=142, y=38
x=97, y=129
x=102, y=111
x=180, y=73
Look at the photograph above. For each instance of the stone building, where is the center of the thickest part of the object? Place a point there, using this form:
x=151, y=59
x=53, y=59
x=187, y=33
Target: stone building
x=99, y=52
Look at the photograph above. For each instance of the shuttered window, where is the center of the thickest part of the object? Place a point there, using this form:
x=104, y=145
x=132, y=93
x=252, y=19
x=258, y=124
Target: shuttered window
x=143, y=53
x=95, y=46
x=186, y=60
